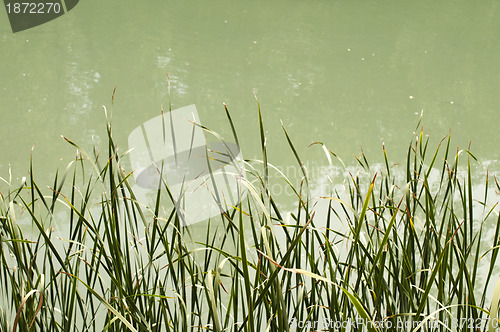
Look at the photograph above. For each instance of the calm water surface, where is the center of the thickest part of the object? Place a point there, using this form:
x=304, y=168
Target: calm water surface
x=350, y=74
x=347, y=73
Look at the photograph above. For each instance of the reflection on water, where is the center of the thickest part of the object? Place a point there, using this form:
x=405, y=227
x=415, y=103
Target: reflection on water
x=346, y=74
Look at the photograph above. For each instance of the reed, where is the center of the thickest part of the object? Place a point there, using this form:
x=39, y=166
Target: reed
x=413, y=250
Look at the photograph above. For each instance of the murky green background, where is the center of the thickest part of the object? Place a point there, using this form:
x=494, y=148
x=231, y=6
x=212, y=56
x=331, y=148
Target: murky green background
x=347, y=73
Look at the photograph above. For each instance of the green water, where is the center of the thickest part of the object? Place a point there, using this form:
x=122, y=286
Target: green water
x=350, y=74
x=347, y=73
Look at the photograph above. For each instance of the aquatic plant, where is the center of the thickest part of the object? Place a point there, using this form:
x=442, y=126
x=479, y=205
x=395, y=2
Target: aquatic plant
x=412, y=255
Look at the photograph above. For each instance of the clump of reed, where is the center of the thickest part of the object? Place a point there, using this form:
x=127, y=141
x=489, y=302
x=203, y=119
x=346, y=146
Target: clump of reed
x=412, y=251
